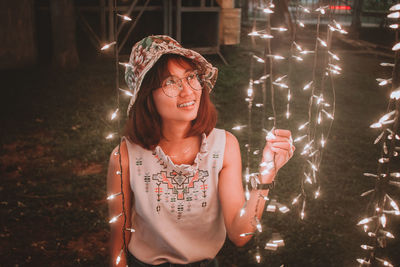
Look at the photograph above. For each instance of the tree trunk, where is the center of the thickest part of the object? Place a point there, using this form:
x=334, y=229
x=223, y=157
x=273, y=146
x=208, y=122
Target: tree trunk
x=17, y=34
x=65, y=54
x=356, y=19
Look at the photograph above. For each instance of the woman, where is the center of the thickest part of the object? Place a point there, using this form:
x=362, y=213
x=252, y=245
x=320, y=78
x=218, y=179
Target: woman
x=182, y=178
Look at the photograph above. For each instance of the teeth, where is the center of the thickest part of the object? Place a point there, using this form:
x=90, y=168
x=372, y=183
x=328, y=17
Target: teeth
x=186, y=104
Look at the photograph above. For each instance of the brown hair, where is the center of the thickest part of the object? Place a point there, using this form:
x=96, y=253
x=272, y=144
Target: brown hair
x=143, y=126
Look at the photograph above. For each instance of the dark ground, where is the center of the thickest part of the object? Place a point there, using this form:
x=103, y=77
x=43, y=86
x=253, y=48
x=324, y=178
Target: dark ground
x=53, y=161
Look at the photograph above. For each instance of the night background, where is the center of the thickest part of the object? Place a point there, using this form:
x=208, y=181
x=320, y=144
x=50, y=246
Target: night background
x=59, y=90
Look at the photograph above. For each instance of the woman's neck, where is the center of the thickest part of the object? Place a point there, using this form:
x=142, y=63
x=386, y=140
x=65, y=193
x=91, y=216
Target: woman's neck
x=175, y=131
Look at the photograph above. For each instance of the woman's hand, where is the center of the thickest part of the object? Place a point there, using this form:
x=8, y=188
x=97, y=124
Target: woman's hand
x=278, y=150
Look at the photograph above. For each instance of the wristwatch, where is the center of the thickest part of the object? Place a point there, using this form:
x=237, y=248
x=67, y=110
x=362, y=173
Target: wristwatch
x=255, y=184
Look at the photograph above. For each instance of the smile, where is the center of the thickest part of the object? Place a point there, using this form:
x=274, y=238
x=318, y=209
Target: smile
x=186, y=104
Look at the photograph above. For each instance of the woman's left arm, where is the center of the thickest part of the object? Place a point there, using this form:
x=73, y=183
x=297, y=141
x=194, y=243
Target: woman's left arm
x=230, y=185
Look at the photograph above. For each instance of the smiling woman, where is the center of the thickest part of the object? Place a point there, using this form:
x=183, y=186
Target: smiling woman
x=144, y=123
x=181, y=177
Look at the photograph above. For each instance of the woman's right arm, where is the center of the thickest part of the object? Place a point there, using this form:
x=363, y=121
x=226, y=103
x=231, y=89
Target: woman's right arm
x=115, y=204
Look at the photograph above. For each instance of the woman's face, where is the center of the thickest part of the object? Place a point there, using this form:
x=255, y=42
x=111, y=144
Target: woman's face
x=184, y=106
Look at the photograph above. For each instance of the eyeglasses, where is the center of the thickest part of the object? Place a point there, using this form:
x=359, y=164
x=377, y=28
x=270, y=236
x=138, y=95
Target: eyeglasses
x=172, y=85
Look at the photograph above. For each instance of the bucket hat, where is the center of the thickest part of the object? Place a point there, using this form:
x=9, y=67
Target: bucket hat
x=148, y=51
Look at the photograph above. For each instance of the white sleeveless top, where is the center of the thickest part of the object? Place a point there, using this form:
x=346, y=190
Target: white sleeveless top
x=176, y=211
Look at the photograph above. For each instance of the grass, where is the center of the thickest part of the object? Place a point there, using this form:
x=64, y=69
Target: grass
x=54, y=160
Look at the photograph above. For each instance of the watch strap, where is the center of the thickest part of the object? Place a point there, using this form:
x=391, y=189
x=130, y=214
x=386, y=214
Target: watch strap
x=266, y=186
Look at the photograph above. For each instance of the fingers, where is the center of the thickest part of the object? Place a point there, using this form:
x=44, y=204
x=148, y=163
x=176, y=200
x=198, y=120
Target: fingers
x=283, y=147
x=282, y=133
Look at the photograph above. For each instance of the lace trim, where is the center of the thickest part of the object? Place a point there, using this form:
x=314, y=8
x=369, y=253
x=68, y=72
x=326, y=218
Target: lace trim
x=184, y=168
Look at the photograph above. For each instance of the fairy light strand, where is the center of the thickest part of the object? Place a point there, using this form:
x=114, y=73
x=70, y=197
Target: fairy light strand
x=382, y=206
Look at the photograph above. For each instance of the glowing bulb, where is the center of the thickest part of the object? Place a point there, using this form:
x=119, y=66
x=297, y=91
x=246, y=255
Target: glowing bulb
x=305, y=52
x=113, y=196
x=254, y=34
x=114, y=115
x=115, y=218
x=258, y=224
x=384, y=64
x=258, y=258
x=362, y=261
x=299, y=138
x=298, y=47
x=118, y=258
x=282, y=85
x=366, y=247
x=322, y=42
x=297, y=58
x=124, y=17
x=365, y=221
x=280, y=78
x=266, y=36
x=108, y=45
x=395, y=95
x=395, y=7
x=296, y=199
x=280, y=29
x=259, y=59
x=110, y=136
x=333, y=55
x=306, y=10
x=302, y=213
x=239, y=127
x=307, y=86
x=319, y=118
x=308, y=178
x=242, y=212
x=337, y=25
x=327, y=114
x=131, y=230
x=322, y=141
x=247, y=194
x=268, y=11
x=394, y=15
x=250, y=92
x=394, y=26
x=303, y=125
x=118, y=172
x=312, y=165
x=127, y=92
x=246, y=234
x=396, y=46
x=125, y=64
x=382, y=219
x=301, y=24
x=317, y=194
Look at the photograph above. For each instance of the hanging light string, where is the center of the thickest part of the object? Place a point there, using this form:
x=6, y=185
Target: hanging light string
x=319, y=108
x=114, y=115
x=381, y=205
x=267, y=61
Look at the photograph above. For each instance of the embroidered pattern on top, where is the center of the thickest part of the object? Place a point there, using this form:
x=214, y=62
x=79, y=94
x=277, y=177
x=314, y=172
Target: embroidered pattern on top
x=180, y=188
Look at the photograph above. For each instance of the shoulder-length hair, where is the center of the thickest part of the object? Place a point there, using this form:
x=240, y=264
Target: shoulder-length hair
x=144, y=123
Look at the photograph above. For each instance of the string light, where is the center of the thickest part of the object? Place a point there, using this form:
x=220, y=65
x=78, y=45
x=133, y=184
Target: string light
x=115, y=218
x=395, y=7
x=124, y=17
x=106, y=46
x=127, y=92
x=113, y=196
x=394, y=15
x=114, y=114
x=117, y=261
